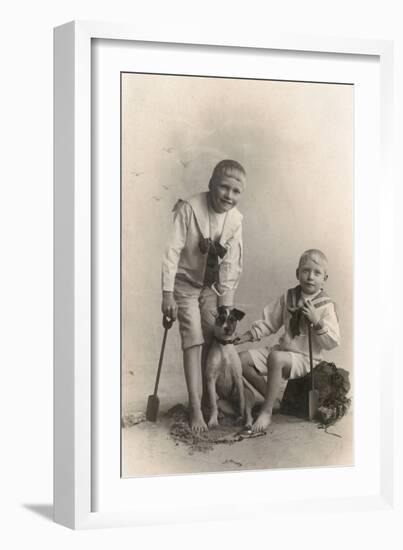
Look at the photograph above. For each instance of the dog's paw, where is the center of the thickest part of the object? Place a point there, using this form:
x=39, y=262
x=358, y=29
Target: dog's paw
x=239, y=421
x=213, y=422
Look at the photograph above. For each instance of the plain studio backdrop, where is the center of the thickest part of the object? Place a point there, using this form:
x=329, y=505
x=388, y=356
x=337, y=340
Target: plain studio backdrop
x=295, y=141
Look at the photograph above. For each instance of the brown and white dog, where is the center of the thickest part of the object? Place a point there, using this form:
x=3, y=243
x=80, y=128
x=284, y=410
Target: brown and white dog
x=223, y=367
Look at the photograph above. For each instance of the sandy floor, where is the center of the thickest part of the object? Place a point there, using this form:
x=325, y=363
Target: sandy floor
x=149, y=448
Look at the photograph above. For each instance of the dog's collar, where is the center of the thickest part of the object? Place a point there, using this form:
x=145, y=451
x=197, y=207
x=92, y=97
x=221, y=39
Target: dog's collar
x=224, y=342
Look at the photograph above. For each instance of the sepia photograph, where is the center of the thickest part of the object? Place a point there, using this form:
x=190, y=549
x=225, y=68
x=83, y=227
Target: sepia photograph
x=236, y=274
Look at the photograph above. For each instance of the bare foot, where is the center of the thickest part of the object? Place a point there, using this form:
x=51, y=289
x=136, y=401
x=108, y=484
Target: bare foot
x=196, y=422
x=262, y=422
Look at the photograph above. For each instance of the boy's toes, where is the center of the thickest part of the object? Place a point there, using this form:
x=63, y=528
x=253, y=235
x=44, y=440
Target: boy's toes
x=262, y=422
x=199, y=427
x=202, y=429
x=197, y=424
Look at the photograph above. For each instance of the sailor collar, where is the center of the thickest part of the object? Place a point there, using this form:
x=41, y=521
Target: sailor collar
x=200, y=206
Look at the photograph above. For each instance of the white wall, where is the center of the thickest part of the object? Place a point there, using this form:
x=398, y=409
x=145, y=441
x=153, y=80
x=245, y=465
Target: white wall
x=26, y=274
x=295, y=141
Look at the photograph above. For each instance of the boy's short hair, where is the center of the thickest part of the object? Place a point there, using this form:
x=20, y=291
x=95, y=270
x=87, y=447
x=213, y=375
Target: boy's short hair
x=230, y=168
x=316, y=256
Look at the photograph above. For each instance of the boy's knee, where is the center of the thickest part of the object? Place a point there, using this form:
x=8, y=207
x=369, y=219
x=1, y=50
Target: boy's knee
x=275, y=358
x=279, y=360
x=286, y=371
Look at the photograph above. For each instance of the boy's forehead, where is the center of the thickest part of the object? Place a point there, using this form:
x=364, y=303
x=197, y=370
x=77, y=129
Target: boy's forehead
x=227, y=178
x=314, y=261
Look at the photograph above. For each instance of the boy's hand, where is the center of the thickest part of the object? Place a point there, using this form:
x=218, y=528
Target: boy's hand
x=169, y=307
x=310, y=313
x=245, y=337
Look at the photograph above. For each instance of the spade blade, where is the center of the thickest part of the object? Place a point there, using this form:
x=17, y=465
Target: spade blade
x=313, y=403
x=153, y=404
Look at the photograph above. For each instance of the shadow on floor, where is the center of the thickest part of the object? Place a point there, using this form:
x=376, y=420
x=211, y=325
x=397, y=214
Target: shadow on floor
x=44, y=510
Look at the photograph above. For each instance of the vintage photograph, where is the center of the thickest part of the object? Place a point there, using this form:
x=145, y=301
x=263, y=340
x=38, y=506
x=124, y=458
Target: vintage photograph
x=236, y=274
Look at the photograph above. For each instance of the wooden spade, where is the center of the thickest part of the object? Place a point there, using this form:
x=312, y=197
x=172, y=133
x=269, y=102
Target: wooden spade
x=313, y=396
x=153, y=402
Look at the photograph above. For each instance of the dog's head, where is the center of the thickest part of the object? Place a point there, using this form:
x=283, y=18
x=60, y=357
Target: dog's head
x=226, y=321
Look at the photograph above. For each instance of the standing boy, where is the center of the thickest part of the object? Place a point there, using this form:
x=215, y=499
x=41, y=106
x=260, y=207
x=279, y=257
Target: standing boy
x=201, y=269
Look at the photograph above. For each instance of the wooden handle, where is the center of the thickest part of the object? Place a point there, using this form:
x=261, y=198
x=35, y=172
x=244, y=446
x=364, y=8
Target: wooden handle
x=310, y=354
x=167, y=323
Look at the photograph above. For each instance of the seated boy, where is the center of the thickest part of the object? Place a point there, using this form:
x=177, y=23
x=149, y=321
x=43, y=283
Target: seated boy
x=306, y=303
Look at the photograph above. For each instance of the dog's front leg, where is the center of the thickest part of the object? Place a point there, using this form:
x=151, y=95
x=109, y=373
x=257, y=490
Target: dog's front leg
x=241, y=393
x=211, y=389
x=249, y=402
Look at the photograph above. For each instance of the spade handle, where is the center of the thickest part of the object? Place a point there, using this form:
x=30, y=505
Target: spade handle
x=167, y=324
x=310, y=353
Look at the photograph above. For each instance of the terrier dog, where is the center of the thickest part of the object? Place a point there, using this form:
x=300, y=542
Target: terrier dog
x=223, y=366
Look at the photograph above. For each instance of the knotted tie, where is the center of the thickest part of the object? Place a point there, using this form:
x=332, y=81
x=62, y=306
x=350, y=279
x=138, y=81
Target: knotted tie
x=214, y=250
x=294, y=308
x=295, y=321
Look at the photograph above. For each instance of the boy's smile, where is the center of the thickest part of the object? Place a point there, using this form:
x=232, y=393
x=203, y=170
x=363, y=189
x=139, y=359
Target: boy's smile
x=225, y=194
x=311, y=276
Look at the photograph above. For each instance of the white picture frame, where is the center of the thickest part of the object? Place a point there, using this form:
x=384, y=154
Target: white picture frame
x=77, y=471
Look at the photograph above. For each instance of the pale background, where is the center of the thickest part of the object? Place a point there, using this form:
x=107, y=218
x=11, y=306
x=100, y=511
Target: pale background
x=26, y=275
x=295, y=141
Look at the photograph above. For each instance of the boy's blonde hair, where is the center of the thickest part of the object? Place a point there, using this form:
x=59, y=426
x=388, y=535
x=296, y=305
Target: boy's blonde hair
x=316, y=256
x=230, y=168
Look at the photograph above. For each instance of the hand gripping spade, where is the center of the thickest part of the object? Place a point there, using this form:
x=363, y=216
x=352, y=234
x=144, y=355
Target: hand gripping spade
x=153, y=402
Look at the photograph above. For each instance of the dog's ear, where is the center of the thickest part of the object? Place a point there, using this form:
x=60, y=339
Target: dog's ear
x=222, y=309
x=238, y=314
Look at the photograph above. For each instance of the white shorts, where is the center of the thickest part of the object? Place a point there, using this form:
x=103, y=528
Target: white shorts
x=299, y=361
x=299, y=367
x=196, y=307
